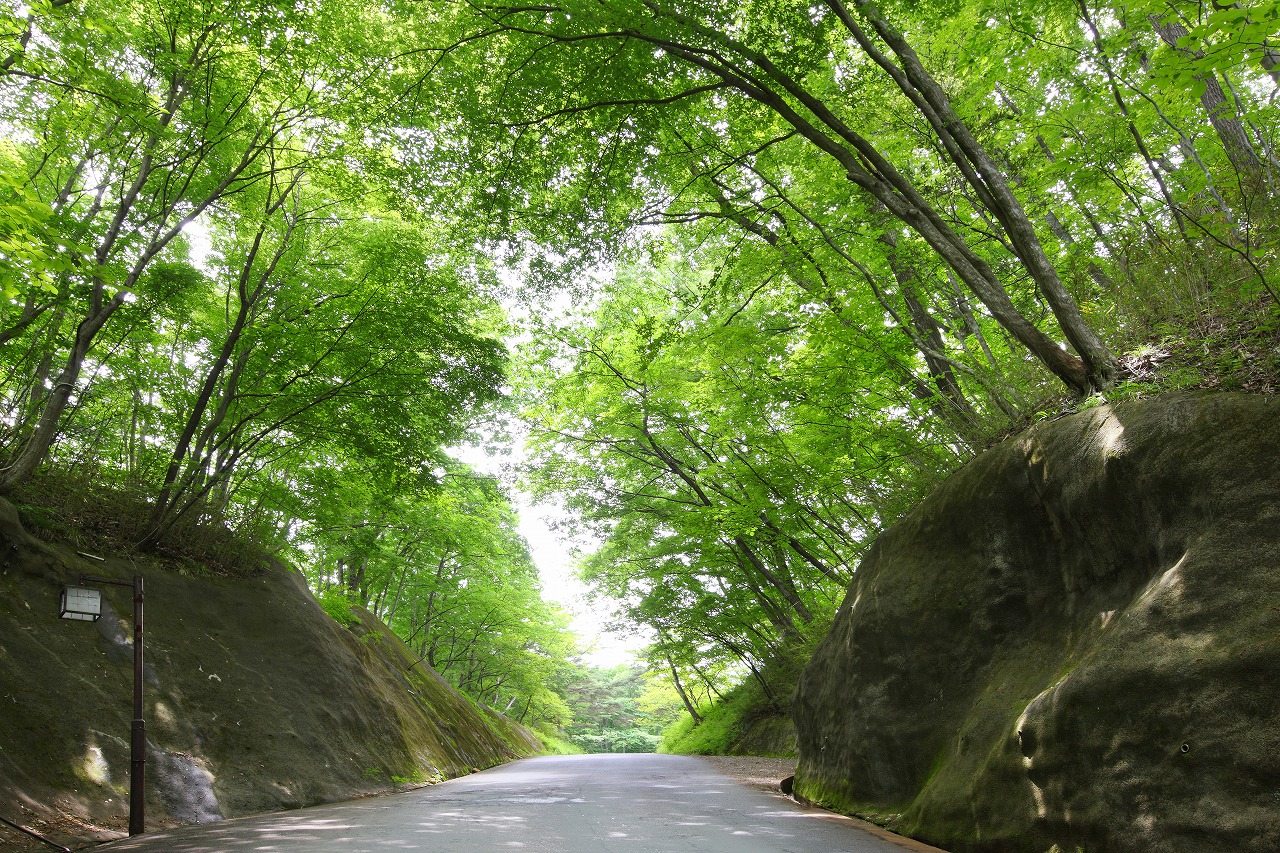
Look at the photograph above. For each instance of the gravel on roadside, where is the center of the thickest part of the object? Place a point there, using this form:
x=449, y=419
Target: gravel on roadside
x=764, y=774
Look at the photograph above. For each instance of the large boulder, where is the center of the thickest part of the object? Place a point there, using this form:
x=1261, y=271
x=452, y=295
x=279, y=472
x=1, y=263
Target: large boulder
x=1074, y=642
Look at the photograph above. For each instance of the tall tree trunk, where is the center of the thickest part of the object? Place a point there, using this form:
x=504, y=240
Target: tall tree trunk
x=1113, y=83
x=781, y=621
x=795, y=271
x=987, y=180
x=32, y=452
x=1230, y=130
x=171, y=489
x=688, y=705
x=927, y=331
x=777, y=580
x=1097, y=273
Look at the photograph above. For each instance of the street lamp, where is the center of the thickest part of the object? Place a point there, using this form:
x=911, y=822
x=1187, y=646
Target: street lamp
x=81, y=603
x=84, y=603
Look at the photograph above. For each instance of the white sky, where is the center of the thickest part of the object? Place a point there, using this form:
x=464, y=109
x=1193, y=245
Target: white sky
x=551, y=552
x=554, y=557
x=554, y=560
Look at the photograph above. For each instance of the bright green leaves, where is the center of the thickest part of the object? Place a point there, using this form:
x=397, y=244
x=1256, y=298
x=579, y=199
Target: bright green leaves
x=299, y=320
x=446, y=569
x=239, y=243
x=1228, y=34
x=319, y=308
x=29, y=254
x=622, y=709
x=1220, y=42
x=721, y=443
x=210, y=299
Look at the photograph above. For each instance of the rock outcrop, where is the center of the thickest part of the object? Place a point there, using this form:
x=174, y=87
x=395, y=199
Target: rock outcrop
x=256, y=700
x=1073, y=644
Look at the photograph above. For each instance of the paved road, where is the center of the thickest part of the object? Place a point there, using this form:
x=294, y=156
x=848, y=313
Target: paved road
x=573, y=804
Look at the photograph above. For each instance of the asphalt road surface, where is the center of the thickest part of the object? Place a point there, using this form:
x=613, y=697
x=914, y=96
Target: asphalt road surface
x=562, y=804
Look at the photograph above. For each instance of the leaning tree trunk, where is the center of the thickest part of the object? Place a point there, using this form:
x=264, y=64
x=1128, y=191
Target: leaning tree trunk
x=961, y=412
x=1230, y=130
x=26, y=458
x=988, y=182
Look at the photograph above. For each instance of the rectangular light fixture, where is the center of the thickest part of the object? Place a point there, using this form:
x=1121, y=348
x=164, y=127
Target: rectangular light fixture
x=80, y=602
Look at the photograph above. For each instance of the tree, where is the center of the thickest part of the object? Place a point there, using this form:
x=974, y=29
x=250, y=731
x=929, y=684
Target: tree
x=728, y=458
x=728, y=82
x=136, y=129
x=443, y=566
x=348, y=334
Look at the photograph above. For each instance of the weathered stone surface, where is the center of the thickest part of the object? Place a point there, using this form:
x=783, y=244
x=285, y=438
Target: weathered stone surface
x=1075, y=641
x=255, y=699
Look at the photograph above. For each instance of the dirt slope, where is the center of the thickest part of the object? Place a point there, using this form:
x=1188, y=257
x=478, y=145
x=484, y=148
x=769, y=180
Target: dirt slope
x=256, y=700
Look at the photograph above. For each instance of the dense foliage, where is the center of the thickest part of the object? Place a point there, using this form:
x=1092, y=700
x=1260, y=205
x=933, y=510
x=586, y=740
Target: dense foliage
x=216, y=318
x=873, y=239
x=818, y=255
x=620, y=709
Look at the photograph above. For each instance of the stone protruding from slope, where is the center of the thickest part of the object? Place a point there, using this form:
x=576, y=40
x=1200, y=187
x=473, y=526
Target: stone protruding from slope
x=1075, y=641
x=256, y=700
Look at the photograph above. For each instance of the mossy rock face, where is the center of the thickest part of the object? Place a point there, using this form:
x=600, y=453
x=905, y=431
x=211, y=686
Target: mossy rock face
x=256, y=700
x=1073, y=642
x=767, y=735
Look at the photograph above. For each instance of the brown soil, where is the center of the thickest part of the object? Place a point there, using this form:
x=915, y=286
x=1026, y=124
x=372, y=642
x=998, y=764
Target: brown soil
x=61, y=828
x=764, y=774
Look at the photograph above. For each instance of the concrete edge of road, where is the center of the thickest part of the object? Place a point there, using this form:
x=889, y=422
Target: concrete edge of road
x=880, y=832
x=778, y=789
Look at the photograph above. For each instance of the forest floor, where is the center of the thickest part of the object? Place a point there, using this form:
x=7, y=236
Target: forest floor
x=764, y=774
x=64, y=827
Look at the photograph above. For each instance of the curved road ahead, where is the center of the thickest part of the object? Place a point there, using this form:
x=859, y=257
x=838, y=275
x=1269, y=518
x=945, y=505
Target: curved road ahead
x=563, y=804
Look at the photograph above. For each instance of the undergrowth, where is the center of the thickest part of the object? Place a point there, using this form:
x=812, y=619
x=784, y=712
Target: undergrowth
x=748, y=720
x=338, y=604
x=552, y=743
x=723, y=725
x=111, y=520
x=1212, y=351
x=1168, y=338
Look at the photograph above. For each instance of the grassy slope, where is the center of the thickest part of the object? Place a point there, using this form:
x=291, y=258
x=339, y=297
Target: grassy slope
x=745, y=722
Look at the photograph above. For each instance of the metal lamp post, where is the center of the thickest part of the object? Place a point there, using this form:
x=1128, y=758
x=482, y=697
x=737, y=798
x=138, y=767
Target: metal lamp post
x=84, y=603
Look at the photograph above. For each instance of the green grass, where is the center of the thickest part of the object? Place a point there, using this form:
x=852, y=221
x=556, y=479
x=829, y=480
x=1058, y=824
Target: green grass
x=723, y=725
x=554, y=744
x=747, y=721
x=338, y=605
